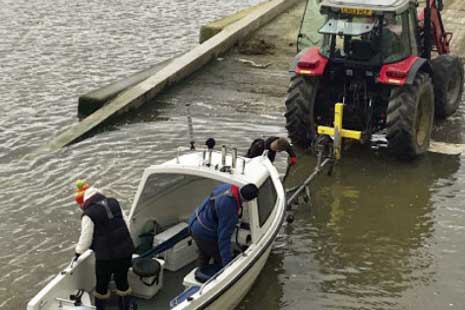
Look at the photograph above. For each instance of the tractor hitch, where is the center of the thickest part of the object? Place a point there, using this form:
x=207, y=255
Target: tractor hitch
x=338, y=132
x=327, y=147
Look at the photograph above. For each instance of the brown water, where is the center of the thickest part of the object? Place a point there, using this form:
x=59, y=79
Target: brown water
x=379, y=234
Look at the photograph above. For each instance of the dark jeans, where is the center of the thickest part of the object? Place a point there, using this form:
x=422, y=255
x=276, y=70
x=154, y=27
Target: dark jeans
x=116, y=267
x=207, y=250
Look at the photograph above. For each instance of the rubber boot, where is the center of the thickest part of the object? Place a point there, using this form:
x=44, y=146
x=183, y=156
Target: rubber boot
x=125, y=303
x=100, y=304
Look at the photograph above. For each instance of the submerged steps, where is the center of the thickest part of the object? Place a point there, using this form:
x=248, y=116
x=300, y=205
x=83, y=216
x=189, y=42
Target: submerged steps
x=94, y=100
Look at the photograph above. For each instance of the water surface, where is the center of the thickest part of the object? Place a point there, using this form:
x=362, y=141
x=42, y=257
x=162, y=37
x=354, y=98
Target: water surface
x=379, y=234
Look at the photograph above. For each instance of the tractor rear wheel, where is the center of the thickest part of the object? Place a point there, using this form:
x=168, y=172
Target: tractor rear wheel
x=410, y=115
x=300, y=108
x=448, y=84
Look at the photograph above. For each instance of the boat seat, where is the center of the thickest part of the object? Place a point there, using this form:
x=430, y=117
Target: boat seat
x=146, y=267
x=181, y=232
x=146, y=276
x=183, y=296
x=176, y=246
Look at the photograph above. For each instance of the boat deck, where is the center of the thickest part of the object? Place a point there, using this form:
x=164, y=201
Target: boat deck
x=172, y=287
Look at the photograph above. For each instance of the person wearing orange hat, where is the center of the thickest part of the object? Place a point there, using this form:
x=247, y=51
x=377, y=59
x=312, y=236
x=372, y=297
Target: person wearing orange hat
x=81, y=187
x=104, y=229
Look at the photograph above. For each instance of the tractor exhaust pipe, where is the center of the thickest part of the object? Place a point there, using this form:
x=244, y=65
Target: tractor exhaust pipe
x=427, y=40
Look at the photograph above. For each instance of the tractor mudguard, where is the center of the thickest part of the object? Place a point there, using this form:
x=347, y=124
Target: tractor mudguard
x=309, y=62
x=403, y=72
x=420, y=63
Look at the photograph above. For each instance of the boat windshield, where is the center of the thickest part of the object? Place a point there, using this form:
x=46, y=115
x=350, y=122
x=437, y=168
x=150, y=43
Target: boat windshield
x=172, y=187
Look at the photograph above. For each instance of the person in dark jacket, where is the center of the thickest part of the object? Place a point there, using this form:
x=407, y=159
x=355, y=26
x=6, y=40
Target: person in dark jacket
x=273, y=145
x=212, y=224
x=104, y=230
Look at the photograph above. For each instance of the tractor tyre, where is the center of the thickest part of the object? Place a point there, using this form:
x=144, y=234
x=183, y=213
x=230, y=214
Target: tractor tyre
x=448, y=84
x=300, y=106
x=410, y=116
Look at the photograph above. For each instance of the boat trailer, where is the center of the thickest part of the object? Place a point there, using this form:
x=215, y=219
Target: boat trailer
x=327, y=147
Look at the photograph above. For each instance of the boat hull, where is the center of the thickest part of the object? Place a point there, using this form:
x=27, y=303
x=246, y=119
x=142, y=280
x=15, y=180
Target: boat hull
x=233, y=295
x=79, y=275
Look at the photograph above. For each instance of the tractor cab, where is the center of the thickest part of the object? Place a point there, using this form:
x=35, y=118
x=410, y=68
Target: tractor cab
x=376, y=33
x=367, y=37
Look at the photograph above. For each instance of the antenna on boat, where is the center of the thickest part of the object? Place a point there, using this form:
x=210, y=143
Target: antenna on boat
x=190, y=127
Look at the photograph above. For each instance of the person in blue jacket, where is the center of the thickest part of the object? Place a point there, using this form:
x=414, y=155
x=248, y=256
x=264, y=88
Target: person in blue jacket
x=212, y=224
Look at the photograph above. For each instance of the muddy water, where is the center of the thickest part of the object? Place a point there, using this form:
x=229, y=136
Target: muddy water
x=379, y=234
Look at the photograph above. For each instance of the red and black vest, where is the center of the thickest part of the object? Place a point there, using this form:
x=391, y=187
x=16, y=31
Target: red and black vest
x=111, y=238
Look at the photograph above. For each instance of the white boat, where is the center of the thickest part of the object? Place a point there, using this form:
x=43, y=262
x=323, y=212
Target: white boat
x=166, y=197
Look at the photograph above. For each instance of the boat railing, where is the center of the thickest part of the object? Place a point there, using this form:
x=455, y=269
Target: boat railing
x=207, y=159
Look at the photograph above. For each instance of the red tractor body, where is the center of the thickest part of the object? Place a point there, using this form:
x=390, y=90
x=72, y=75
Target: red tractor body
x=376, y=59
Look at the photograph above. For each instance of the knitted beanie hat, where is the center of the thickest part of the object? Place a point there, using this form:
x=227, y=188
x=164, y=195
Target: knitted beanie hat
x=81, y=187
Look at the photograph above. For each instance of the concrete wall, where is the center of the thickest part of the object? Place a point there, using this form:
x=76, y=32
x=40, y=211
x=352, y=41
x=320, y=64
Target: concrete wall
x=177, y=70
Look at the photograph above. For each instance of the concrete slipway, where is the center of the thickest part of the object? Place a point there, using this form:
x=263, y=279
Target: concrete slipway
x=246, y=62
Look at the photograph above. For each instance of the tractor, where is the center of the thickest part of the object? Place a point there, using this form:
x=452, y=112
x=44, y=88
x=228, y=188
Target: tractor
x=386, y=63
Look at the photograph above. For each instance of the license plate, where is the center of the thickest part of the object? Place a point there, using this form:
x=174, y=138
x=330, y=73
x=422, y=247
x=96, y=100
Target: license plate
x=357, y=11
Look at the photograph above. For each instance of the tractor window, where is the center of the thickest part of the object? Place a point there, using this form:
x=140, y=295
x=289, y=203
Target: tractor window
x=351, y=35
x=339, y=45
x=395, y=42
x=413, y=31
x=307, y=35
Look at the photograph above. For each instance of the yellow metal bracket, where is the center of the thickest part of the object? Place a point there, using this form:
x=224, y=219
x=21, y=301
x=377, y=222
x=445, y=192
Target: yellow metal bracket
x=337, y=133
